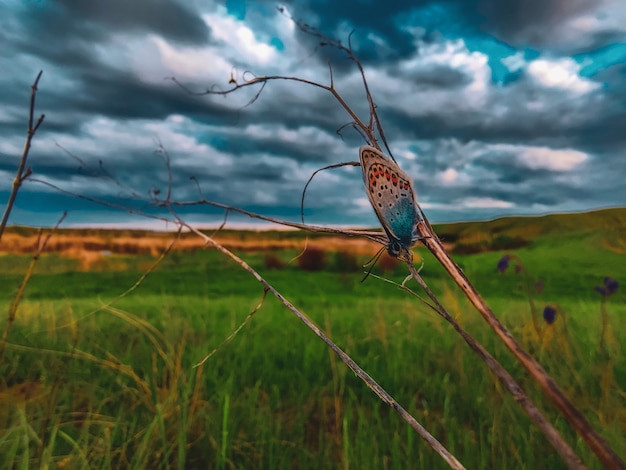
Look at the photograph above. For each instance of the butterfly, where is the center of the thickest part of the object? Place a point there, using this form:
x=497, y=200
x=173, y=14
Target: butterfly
x=391, y=194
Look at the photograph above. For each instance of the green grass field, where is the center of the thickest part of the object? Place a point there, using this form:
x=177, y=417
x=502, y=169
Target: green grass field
x=90, y=384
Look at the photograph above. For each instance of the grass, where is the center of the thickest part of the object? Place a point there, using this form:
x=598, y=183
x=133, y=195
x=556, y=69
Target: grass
x=117, y=387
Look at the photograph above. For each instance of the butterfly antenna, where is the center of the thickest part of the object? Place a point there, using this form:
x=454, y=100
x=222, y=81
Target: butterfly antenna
x=382, y=133
x=372, y=262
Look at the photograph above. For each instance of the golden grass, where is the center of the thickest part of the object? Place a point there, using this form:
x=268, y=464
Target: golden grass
x=97, y=246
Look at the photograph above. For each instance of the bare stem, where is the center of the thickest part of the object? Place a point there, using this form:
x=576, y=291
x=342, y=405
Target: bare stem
x=605, y=324
x=19, y=295
x=22, y=171
x=377, y=237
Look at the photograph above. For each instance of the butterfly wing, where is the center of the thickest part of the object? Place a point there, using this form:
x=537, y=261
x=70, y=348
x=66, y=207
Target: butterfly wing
x=391, y=194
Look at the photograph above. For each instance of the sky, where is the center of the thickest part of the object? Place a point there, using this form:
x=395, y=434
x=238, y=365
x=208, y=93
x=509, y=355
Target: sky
x=493, y=108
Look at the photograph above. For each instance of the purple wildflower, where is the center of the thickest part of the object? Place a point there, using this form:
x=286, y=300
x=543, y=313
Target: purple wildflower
x=549, y=314
x=539, y=286
x=503, y=264
x=609, y=287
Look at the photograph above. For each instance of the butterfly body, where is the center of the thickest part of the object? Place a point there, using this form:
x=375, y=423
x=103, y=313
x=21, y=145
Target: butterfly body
x=391, y=194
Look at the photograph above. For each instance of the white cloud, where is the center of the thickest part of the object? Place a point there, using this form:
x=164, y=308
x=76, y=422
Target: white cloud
x=239, y=38
x=304, y=135
x=485, y=203
x=237, y=43
x=12, y=147
x=582, y=30
x=455, y=55
x=514, y=62
x=114, y=142
x=560, y=73
x=363, y=203
x=406, y=154
x=468, y=203
x=537, y=158
x=264, y=197
x=542, y=158
x=399, y=90
x=451, y=177
x=185, y=63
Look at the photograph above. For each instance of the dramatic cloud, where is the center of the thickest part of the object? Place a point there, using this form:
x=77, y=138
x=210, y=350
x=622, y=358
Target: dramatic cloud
x=555, y=160
x=563, y=73
x=494, y=108
x=571, y=26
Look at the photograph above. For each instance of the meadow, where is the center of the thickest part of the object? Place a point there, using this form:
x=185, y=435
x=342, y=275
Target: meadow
x=91, y=378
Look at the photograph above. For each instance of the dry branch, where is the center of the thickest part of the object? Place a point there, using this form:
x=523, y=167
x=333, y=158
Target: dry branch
x=19, y=294
x=22, y=171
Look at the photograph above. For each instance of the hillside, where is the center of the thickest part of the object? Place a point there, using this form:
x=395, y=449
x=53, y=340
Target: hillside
x=516, y=232
x=463, y=238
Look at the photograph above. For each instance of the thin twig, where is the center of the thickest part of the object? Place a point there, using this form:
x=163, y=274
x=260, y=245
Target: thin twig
x=605, y=324
x=129, y=290
x=374, y=121
x=112, y=362
x=19, y=295
x=22, y=171
x=103, y=202
x=232, y=335
x=377, y=237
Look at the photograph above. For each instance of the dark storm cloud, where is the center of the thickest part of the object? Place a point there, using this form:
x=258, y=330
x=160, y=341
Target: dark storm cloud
x=525, y=22
x=528, y=188
x=521, y=23
x=431, y=76
x=95, y=19
x=605, y=128
x=540, y=23
x=262, y=171
x=298, y=151
x=290, y=108
x=363, y=19
x=120, y=95
x=435, y=94
x=67, y=33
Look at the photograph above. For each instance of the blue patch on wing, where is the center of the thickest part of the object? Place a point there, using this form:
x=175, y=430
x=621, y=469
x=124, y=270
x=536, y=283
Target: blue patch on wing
x=401, y=218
